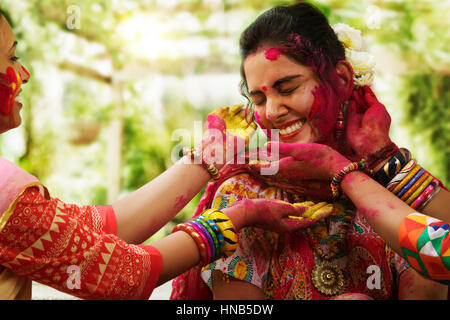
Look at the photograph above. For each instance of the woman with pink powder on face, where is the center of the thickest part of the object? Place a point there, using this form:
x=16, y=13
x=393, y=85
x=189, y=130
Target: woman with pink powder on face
x=298, y=82
x=42, y=238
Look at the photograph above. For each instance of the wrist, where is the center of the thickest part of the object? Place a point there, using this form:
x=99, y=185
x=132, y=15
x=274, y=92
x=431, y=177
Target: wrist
x=381, y=156
x=338, y=179
x=240, y=214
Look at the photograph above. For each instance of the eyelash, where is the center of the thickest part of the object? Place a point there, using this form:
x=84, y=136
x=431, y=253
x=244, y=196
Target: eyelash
x=283, y=93
x=14, y=59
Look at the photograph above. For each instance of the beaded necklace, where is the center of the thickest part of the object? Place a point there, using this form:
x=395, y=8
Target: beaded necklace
x=326, y=276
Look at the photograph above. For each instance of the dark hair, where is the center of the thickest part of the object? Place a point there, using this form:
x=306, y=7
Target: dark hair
x=300, y=28
x=6, y=16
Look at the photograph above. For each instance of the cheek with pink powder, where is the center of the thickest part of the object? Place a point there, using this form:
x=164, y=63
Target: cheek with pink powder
x=10, y=84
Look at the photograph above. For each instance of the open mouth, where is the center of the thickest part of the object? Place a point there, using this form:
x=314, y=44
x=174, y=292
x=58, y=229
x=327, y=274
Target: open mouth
x=292, y=129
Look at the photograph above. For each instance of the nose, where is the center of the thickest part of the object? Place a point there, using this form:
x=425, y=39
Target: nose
x=275, y=109
x=24, y=74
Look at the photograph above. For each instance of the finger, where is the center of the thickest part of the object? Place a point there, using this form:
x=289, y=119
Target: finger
x=264, y=164
x=358, y=97
x=353, y=118
x=287, y=149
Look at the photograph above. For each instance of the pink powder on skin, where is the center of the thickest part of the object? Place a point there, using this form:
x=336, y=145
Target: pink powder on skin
x=272, y=54
x=180, y=203
x=370, y=213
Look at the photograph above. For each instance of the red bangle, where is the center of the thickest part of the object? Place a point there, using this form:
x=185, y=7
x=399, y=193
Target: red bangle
x=198, y=240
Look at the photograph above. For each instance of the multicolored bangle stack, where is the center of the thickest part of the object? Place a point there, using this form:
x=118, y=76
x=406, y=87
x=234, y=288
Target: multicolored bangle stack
x=414, y=185
x=214, y=234
x=197, y=158
x=337, y=179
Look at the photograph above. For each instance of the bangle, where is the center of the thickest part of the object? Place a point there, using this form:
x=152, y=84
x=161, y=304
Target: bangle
x=216, y=230
x=401, y=174
x=429, y=198
x=420, y=199
x=198, y=240
x=213, y=237
x=419, y=190
x=337, y=179
x=411, y=182
x=406, y=179
x=207, y=238
x=377, y=157
x=392, y=167
x=414, y=187
x=226, y=228
x=197, y=158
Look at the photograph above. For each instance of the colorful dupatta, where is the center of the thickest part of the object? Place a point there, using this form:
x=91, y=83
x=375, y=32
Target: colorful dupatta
x=189, y=285
x=291, y=260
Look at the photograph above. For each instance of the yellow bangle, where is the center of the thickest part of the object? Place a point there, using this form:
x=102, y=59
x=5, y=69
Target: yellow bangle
x=406, y=179
x=419, y=190
x=226, y=228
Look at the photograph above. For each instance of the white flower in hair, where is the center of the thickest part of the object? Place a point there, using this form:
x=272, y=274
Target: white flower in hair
x=362, y=62
x=351, y=38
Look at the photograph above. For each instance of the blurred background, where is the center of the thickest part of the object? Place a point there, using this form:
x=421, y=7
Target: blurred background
x=112, y=80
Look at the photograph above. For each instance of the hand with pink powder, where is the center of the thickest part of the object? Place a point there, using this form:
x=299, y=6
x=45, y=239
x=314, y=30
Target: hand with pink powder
x=368, y=123
x=227, y=133
x=309, y=161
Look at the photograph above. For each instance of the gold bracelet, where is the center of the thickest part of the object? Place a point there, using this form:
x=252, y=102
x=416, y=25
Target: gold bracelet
x=196, y=156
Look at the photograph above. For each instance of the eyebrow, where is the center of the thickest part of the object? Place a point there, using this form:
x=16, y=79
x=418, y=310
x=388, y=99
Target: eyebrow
x=14, y=45
x=277, y=83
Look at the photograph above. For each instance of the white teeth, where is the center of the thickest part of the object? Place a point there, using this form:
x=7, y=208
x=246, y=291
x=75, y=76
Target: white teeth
x=18, y=99
x=291, y=128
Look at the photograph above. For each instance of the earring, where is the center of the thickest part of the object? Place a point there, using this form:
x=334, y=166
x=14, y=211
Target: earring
x=340, y=124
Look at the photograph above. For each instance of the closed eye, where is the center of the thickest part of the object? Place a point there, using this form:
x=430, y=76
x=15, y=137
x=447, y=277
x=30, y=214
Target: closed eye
x=288, y=91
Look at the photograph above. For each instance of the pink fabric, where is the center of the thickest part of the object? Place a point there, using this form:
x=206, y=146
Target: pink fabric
x=12, y=181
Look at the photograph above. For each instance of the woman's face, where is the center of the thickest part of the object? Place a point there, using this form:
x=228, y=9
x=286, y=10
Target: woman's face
x=288, y=96
x=8, y=59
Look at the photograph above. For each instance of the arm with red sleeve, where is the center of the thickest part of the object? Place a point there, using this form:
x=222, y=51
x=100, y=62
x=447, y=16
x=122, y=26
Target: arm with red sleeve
x=43, y=237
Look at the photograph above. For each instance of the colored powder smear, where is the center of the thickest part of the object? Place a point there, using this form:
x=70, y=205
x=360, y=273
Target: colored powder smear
x=10, y=84
x=272, y=53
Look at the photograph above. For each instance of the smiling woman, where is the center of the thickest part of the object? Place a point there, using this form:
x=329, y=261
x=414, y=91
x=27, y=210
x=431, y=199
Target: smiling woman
x=53, y=243
x=298, y=80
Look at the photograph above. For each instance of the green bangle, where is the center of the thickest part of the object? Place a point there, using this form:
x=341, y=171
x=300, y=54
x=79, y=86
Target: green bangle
x=213, y=236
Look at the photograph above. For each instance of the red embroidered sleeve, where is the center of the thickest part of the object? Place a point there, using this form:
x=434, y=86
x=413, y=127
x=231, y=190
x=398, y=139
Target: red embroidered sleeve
x=75, y=250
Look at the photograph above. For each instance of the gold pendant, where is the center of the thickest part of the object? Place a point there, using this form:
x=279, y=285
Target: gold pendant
x=327, y=278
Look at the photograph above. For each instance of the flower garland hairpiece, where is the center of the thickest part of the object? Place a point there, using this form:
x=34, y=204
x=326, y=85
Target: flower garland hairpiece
x=362, y=62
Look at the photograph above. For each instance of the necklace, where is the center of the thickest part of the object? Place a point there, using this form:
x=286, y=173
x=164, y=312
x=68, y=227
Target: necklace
x=326, y=276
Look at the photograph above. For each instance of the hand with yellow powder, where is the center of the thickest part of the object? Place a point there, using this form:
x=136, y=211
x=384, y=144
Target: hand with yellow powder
x=315, y=211
x=227, y=132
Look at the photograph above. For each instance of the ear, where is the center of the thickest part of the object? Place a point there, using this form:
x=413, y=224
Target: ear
x=345, y=78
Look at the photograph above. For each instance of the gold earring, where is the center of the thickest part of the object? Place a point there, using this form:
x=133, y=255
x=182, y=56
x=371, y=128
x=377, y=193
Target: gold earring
x=340, y=124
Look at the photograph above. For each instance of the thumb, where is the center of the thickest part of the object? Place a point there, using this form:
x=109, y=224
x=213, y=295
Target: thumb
x=283, y=148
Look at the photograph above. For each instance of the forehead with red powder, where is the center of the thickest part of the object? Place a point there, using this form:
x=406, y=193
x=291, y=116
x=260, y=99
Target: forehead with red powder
x=272, y=53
